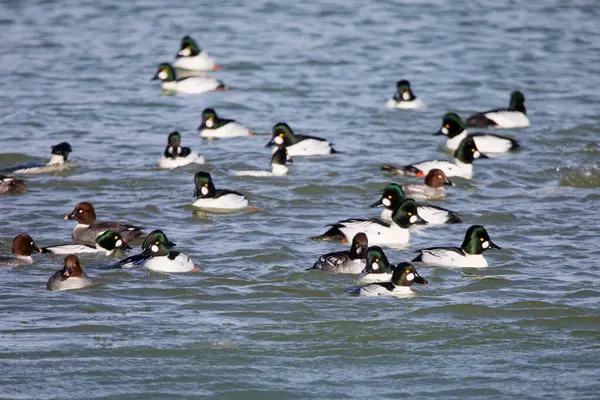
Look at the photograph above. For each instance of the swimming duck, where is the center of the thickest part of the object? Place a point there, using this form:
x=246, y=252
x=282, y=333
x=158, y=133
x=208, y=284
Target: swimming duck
x=218, y=128
x=70, y=277
x=404, y=97
x=22, y=248
x=139, y=260
x=433, y=188
x=162, y=259
x=379, y=232
x=462, y=166
x=351, y=261
x=58, y=162
x=278, y=165
x=469, y=254
x=87, y=228
x=299, y=145
x=377, y=267
x=187, y=85
x=393, y=195
x=404, y=275
x=192, y=58
x=456, y=130
x=515, y=116
x=12, y=185
x=211, y=198
x=176, y=156
x=109, y=242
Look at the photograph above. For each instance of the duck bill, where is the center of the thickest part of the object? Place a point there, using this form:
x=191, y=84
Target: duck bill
x=480, y=155
x=494, y=246
x=378, y=203
x=126, y=247
x=438, y=133
x=69, y=216
x=171, y=244
x=418, y=220
x=270, y=143
x=419, y=279
x=155, y=77
x=448, y=182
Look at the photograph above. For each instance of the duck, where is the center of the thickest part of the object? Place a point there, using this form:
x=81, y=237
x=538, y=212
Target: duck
x=404, y=97
x=456, y=130
x=468, y=255
x=391, y=234
x=58, y=162
x=87, y=229
x=462, y=166
x=377, y=267
x=393, y=195
x=70, y=277
x=110, y=243
x=278, y=166
x=161, y=258
x=192, y=58
x=176, y=156
x=213, y=127
x=139, y=260
x=351, y=261
x=515, y=116
x=12, y=185
x=211, y=198
x=22, y=248
x=187, y=85
x=432, y=188
x=404, y=275
x=299, y=145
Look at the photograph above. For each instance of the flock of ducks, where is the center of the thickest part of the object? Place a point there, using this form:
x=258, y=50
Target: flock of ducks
x=365, y=257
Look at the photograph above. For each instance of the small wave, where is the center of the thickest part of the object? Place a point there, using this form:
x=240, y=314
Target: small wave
x=582, y=177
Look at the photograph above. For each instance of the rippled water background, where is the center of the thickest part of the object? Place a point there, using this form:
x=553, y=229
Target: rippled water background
x=254, y=323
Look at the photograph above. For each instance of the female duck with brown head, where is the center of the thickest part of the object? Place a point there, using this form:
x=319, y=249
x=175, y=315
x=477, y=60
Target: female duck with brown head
x=70, y=277
x=23, y=247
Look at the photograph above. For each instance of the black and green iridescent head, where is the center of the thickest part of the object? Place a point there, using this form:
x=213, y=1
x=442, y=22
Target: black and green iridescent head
x=165, y=72
x=467, y=151
x=210, y=119
x=62, y=149
x=282, y=135
x=377, y=262
x=174, y=139
x=477, y=240
x=188, y=47
x=204, y=185
x=405, y=274
x=406, y=214
x=517, y=101
x=157, y=249
x=391, y=197
x=403, y=91
x=111, y=240
x=452, y=125
x=156, y=236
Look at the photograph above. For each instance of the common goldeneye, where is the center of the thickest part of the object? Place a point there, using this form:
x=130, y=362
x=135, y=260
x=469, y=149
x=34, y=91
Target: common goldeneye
x=404, y=275
x=70, y=277
x=58, y=162
x=211, y=198
x=109, y=242
x=176, y=156
x=162, y=259
x=351, y=261
x=456, y=130
x=433, y=188
x=188, y=85
x=214, y=127
x=404, y=97
x=12, y=185
x=462, y=166
x=379, y=232
x=469, y=254
x=299, y=145
x=139, y=260
x=377, y=267
x=515, y=116
x=22, y=248
x=393, y=195
x=192, y=58
x=278, y=165
x=87, y=228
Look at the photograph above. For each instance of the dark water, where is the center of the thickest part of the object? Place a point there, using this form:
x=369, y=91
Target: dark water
x=253, y=323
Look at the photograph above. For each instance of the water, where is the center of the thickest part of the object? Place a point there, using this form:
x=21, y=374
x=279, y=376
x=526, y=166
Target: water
x=254, y=323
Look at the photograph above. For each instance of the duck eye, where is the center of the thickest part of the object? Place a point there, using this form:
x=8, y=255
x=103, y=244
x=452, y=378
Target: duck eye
x=447, y=125
x=439, y=176
x=390, y=197
x=157, y=243
x=31, y=243
x=409, y=214
x=206, y=185
x=377, y=260
x=80, y=211
x=482, y=239
x=472, y=150
x=116, y=238
x=407, y=271
x=281, y=135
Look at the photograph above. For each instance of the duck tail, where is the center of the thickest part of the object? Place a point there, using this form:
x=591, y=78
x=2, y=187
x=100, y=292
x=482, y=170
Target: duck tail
x=418, y=258
x=334, y=234
x=454, y=218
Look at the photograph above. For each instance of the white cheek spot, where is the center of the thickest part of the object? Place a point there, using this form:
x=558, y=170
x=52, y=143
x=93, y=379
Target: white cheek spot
x=445, y=130
x=375, y=266
x=485, y=244
x=170, y=150
x=179, y=150
x=386, y=202
x=358, y=250
x=154, y=248
x=204, y=190
x=118, y=243
x=163, y=75
x=185, y=52
x=406, y=96
x=209, y=123
x=410, y=277
x=476, y=154
x=278, y=140
x=413, y=219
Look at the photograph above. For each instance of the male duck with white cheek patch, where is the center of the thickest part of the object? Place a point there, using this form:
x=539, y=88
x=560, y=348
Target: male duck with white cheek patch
x=139, y=260
x=58, y=162
x=163, y=259
x=403, y=277
x=22, y=248
x=110, y=243
x=70, y=277
x=188, y=85
x=211, y=198
x=469, y=254
x=213, y=127
x=351, y=261
x=456, y=130
x=515, y=116
x=278, y=165
x=377, y=267
x=462, y=166
x=177, y=156
x=192, y=58
x=299, y=145
x=393, y=195
x=404, y=97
